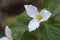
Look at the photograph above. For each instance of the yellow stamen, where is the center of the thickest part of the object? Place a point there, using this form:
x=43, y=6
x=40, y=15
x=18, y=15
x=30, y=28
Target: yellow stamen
x=39, y=17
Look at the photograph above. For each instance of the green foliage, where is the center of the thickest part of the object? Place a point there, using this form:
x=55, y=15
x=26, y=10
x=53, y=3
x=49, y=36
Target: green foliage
x=52, y=5
x=28, y=36
x=20, y=27
x=49, y=30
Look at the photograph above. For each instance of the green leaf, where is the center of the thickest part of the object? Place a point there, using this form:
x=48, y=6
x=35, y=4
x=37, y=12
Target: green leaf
x=56, y=12
x=20, y=26
x=46, y=3
x=52, y=6
x=28, y=36
x=50, y=31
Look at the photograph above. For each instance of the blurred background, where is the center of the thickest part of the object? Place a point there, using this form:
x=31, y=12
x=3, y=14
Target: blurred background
x=11, y=10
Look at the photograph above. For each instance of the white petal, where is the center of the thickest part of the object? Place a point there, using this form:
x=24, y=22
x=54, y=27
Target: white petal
x=31, y=10
x=8, y=31
x=4, y=38
x=46, y=14
x=33, y=25
x=0, y=38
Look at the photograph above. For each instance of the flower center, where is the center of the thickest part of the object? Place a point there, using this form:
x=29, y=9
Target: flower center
x=9, y=38
x=39, y=17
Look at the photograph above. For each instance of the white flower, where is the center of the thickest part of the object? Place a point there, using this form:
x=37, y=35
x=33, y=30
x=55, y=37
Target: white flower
x=37, y=16
x=8, y=34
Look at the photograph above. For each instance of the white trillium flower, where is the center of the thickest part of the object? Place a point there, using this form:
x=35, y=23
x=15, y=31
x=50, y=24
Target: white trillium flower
x=37, y=16
x=8, y=34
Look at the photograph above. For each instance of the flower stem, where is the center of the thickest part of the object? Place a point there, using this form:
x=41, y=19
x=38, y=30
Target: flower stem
x=37, y=35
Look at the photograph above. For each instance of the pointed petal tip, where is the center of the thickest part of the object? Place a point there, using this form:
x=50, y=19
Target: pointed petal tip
x=27, y=5
x=7, y=27
x=8, y=31
x=45, y=10
x=31, y=10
